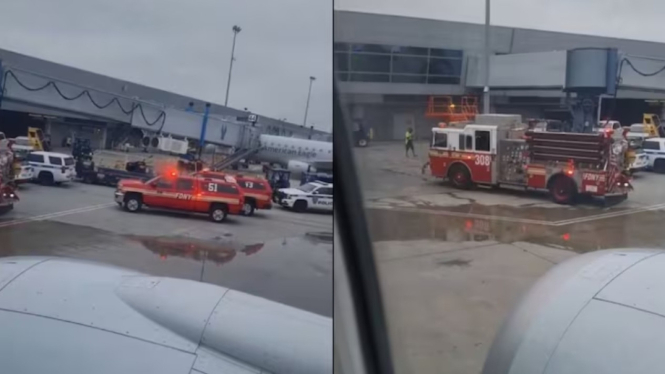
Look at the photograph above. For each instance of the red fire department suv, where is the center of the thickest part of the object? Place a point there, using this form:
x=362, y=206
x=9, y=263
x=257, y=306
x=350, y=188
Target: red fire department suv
x=257, y=191
x=215, y=197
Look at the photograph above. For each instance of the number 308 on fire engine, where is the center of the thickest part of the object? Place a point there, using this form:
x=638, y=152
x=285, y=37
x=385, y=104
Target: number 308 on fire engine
x=483, y=160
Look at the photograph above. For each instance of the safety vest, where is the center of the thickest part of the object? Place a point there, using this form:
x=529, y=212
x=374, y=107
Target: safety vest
x=408, y=137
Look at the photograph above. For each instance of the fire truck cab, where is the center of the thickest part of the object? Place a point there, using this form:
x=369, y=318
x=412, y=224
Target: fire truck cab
x=504, y=155
x=470, y=154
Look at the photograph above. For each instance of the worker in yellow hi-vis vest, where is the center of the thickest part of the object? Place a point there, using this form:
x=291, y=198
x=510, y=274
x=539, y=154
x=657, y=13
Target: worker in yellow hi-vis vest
x=408, y=139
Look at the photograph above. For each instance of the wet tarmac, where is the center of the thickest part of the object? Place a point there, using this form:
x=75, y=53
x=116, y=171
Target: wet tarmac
x=631, y=230
x=291, y=270
x=453, y=263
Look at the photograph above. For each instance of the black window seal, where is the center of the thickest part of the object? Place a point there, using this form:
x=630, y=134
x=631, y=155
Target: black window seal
x=357, y=247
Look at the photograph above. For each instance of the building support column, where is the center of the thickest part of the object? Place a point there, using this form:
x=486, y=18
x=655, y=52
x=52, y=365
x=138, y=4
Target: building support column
x=102, y=142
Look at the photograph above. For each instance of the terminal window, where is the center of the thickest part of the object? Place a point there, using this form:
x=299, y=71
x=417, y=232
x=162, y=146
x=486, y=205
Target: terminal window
x=397, y=64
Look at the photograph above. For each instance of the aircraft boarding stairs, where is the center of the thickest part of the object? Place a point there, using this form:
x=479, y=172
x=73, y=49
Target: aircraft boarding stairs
x=234, y=158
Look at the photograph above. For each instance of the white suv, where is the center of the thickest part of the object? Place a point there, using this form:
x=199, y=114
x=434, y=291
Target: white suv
x=314, y=195
x=52, y=168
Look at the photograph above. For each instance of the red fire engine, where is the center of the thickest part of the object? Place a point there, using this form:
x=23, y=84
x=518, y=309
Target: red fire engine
x=566, y=164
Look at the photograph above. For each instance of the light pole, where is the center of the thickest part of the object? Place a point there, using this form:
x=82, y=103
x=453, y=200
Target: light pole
x=311, y=80
x=236, y=29
x=486, y=75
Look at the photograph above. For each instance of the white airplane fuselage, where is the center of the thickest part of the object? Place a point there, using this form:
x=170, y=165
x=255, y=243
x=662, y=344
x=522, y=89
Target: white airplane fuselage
x=293, y=153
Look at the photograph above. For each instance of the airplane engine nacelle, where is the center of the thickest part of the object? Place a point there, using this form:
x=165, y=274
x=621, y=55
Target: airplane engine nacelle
x=297, y=167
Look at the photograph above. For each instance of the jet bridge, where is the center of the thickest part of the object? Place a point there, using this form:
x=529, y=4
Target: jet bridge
x=43, y=94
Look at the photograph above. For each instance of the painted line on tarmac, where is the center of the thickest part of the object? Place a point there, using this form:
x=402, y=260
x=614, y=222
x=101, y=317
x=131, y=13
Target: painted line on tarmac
x=526, y=220
x=609, y=215
x=54, y=215
x=468, y=215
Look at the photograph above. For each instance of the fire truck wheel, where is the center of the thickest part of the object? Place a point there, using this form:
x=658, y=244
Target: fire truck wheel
x=6, y=209
x=563, y=190
x=248, y=208
x=218, y=213
x=459, y=176
x=133, y=203
x=659, y=166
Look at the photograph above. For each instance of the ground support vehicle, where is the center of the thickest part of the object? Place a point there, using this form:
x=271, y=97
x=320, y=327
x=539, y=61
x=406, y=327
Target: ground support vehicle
x=51, y=167
x=257, y=191
x=38, y=140
x=314, y=196
x=277, y=178
x=89, y=173
x=314, y=177
x=214, y=197
x=565, y=164
x=108, y=169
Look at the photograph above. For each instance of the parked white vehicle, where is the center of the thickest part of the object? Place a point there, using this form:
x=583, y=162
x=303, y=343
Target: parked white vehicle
x=22, y=143
x=314, y=195
x=26, y=174
x=655, y=150
x=641, y=161
x=51, y=167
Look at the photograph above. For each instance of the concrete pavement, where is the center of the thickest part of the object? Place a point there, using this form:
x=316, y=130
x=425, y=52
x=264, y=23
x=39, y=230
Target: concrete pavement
x=276, y=254
x=454, y=263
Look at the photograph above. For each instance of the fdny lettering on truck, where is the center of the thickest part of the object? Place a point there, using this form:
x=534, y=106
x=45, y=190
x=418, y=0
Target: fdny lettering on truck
x=593, y=177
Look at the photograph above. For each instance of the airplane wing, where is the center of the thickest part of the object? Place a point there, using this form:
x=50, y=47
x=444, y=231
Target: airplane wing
x=82, y=317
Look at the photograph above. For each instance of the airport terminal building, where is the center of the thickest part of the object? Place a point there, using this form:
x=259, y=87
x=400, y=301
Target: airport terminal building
x=397, y=72
x=68, y=102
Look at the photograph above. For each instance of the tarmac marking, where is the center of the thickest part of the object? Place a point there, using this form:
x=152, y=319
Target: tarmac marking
x=54, y=215
x=560, y=223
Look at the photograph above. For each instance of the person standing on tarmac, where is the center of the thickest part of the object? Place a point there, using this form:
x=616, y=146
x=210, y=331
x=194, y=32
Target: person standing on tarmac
x=408, y=138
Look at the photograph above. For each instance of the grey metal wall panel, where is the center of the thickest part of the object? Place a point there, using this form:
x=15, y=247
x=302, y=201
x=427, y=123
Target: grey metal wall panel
x=355, y=27
x=399, y=88
x=408, y=31
x=537, y=70
x=632, y=80
x=537, y=40
x=416, y=32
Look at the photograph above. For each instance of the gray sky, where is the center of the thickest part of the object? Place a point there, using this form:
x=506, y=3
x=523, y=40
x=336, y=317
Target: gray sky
x=184, y=46
x=631, y=19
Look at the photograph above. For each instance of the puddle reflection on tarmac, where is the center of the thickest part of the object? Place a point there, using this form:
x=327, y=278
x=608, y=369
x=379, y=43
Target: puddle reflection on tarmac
x=296, y=271
x=635, y=230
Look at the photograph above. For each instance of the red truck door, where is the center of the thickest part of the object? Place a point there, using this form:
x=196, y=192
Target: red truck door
x=161, y=194
x=482, y=144
x=184, y=194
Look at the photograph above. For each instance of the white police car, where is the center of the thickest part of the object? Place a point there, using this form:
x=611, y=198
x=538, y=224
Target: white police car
x=52, y=168
x=314, y=195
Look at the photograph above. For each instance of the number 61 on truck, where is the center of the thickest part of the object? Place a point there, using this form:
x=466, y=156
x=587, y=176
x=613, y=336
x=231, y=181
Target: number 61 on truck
x=496, y=151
